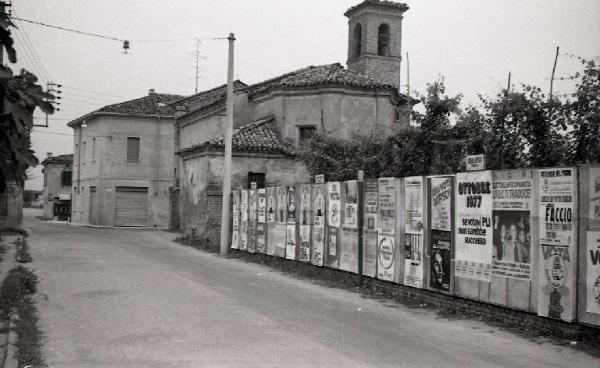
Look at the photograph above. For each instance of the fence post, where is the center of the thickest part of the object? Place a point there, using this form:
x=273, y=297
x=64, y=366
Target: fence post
x=361, y=197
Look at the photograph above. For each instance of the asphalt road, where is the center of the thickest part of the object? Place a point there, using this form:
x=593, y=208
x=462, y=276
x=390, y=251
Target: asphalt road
x=133, y=298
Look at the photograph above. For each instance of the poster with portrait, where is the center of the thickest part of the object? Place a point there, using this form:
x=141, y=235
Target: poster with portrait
x=271, y=211
x=474, y=225
x=592, y=254
x=441, y=197
x=244, y=220
x=305, y=223
x=252, y=219
x=292, y=213
x=370, y=229
x=441, y=254
x=281, y=214
x=318, y=229
x=512, y=192
x=558, y=231
x=261, y=223
x=334, y=204
x=235, y=217
x=413, y=239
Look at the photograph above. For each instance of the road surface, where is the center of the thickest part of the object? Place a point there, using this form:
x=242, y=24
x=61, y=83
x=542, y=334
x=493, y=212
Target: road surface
x=133, y=298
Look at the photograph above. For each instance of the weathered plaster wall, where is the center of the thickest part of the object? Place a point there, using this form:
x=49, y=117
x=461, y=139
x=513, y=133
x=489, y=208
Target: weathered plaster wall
x=54, y=187
x=13, y=195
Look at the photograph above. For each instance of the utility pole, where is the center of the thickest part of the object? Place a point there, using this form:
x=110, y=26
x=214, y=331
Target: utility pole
x=197, y=62
x=508, y=85
x=408, y=87
x=552, y=77
x=227, y=158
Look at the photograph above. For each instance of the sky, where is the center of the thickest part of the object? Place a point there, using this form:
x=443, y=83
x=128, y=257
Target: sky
x=472, y=44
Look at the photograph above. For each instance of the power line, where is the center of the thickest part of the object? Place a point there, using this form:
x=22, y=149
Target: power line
x=32, y=61
x=69, y=29
x=34, y=52
x=50, y=132
x=91, y=91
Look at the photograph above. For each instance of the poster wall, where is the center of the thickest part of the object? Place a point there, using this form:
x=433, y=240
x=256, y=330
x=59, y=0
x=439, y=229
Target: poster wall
x=305, y=223
x=292, y=209
x=370, y=229
x=261, y=224
x=386, y=223
x=252, y=219
x=512, y=201
x=334, y=206
x=413, y=246
x=558, y=261
x=441, y=233
x=271, y=211
x=474, y=225
x=244, y=220
x=280, y=227
x=348, y=260
x=235, y=235
x=593, y=272
x=318, y=229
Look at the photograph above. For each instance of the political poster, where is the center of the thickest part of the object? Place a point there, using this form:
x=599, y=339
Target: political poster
x=261, y=224
x=318, y=230
x=334, y=221
x=292, y=209
x=281, y=214
x=235, y=235
x=594, y=202
x=558, y=231
x=252, y=218
x=280, y=226
x=351, y=204
x=370, y=229
x=305, y=223
x=441, y=197
x=413, y=239
x=474, y=225
x=244, y=220
x=386, y=223
x=278, y=235
x=592, y=254
x=348, y=259
x=441, y=254
x=271, y=211
x=512, y=201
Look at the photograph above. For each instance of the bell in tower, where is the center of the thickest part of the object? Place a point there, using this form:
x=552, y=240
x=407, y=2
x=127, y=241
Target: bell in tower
x=375, y=39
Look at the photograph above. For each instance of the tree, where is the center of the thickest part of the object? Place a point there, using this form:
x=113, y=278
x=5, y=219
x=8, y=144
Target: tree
x=19, y=96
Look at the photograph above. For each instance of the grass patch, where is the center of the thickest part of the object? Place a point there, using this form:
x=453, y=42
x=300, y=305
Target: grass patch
x=22, y=255
x=16, y=293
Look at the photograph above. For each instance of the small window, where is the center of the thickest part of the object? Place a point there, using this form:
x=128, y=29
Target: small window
x=133, y=149
x=383, y=40
x=306, y=133
x=258, y=178
x=357, y=40
x=66, y=178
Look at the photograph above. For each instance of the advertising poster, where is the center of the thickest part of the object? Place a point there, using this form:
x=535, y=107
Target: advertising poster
x=593, y=272
x=252, y=218
x=244, y=220
x=271, y=210
x=292, y=209
x=351, y=205
x=370, y=229
x=441, y=197
x=235, y=240
x=474, y=225
x=511, y=216
x=280, y=227
x=334, y=221
x=386, y=223
x=594, y=213
x=318, y=229
x=441, y=254
x=281, y=214
x=558, y=264
x=348, y=258
x=413, y=247
x=305, y=222
x=261, y=225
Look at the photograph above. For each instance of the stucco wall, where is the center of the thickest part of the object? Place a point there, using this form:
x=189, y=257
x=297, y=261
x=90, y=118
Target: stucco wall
x=13, y=195
x=201, y=187
x=54, y=187
x=108, y=167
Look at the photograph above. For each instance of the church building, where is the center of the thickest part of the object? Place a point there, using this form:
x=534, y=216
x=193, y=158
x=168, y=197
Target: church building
x=273, y=118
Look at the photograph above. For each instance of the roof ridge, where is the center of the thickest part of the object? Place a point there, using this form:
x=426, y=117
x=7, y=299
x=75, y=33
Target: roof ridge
x=214, y=89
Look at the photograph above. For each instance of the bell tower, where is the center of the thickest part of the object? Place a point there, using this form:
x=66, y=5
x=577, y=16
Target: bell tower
x=375, y=39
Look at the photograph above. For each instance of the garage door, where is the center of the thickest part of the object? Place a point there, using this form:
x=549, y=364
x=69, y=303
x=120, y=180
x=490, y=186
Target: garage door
x=131, y=206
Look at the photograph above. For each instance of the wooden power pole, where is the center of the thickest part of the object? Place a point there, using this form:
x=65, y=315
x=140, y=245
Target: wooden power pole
x=228, y=149
x=552, y=77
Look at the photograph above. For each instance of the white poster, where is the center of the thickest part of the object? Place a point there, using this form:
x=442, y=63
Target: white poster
x=441, y=196
x=474, y=225
x=594, y=213
x=244, y=220
x=235, y=240
x=318, y=229
x=386, y=251
x=351, y=205
x=386, y=205
x=262, y=205
x=413, y=247
x=271, y=205
x=334, y=203
x=593, y=272
x=558, y=229
x=305, y=222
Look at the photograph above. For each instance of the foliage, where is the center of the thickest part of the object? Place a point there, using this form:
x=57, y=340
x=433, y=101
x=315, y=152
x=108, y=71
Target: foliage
x=19, y=96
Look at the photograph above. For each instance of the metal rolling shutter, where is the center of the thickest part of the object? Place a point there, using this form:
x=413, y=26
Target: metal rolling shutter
x=131, y=206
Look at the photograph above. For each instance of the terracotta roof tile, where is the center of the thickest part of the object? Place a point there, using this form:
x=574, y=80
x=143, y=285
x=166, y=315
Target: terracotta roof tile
x=385, y=5
x=254, y=137
x=207, y=98
x=60, y=159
